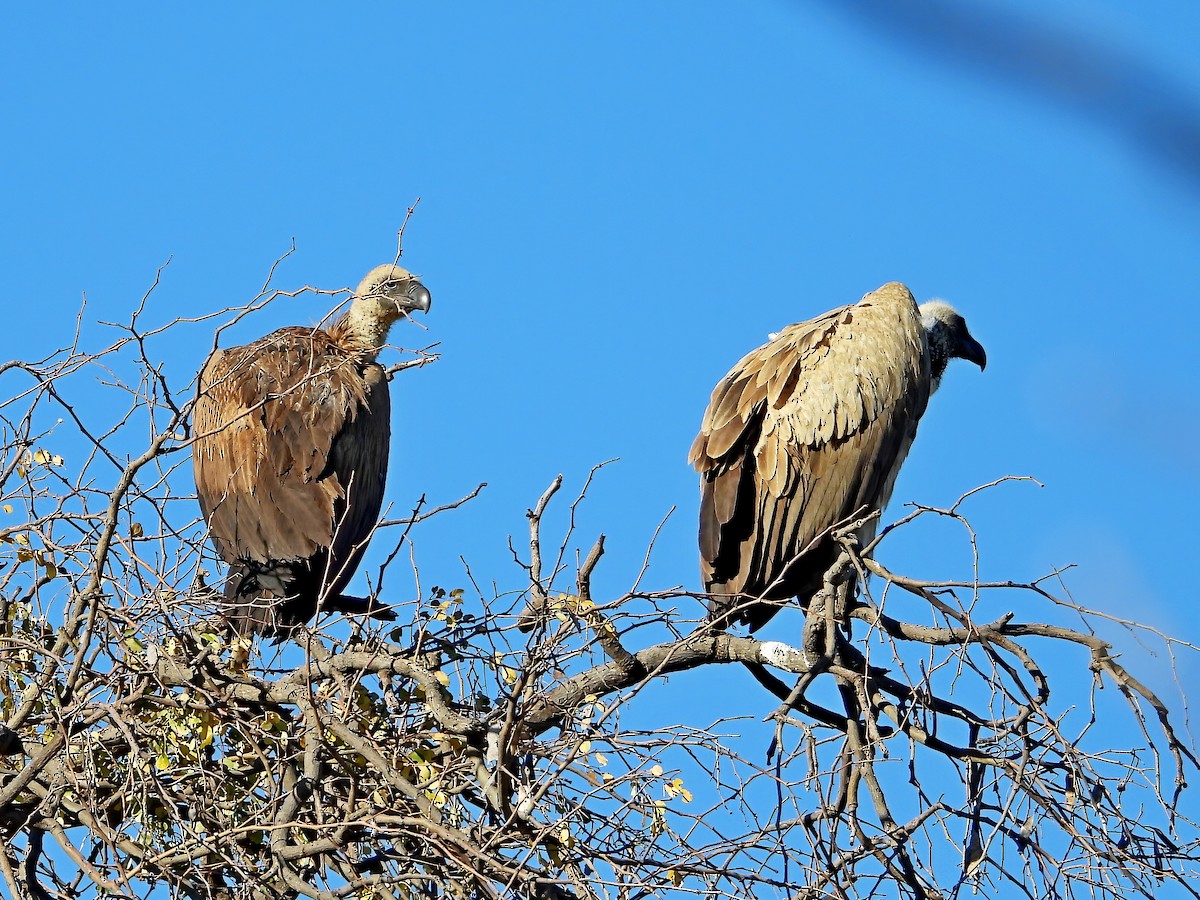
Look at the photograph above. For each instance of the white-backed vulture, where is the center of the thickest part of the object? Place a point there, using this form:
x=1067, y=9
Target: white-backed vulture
x=291, y=453
x=807, y=432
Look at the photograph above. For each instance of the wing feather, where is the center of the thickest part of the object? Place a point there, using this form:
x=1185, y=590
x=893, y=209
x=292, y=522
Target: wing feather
x=359, y=461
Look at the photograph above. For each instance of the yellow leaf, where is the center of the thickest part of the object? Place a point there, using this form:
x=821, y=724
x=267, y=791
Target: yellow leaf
x=656, y=770
x=163, y=762
x=8, y=508
x=442, y=677
x=46, y=458
x=675, y=788
x=675, y=877
x=601, y=759
x=585, y=747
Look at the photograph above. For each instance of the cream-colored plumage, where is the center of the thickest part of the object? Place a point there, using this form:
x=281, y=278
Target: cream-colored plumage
x=804, y=433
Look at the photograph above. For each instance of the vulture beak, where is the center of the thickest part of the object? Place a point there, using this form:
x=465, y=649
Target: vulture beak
x=971, y=349
x=416, y=297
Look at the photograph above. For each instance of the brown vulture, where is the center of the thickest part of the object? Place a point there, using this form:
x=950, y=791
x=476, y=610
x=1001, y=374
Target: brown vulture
x=807, y=432
x=291, y=453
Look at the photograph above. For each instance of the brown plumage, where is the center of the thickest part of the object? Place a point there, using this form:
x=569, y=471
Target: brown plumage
x=808, y=432
x=291, y=454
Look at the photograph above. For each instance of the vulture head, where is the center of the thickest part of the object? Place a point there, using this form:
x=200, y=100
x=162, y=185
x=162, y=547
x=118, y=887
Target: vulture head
x=387, y=294
x=948, y=337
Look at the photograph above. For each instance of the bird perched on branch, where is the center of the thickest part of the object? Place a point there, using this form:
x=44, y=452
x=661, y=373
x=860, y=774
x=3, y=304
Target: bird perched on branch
x=808, y=432
x=290, y=455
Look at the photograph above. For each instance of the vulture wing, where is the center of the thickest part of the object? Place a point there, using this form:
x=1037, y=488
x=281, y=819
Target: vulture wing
x=359, y=462
x=290, y=459
x=804, y=433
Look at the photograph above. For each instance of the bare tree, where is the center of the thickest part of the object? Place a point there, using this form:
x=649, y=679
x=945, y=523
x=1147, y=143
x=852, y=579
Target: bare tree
x=522, y=740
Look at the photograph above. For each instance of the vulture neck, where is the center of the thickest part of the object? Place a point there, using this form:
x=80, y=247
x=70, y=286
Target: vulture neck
x=364, y=328
x=939, y=355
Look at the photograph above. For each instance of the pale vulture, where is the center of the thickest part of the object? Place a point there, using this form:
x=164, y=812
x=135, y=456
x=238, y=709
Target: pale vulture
x=808, y=432
x=290, y=454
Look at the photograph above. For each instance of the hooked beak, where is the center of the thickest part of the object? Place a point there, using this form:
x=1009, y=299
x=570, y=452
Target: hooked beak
x=971, y=349
x=416, y=297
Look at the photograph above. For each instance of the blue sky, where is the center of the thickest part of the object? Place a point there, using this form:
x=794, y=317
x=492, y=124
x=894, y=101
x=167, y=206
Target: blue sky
x=617, y=202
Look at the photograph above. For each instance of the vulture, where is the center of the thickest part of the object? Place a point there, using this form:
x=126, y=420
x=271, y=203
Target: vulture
x=808, y=432
x=290, y=453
